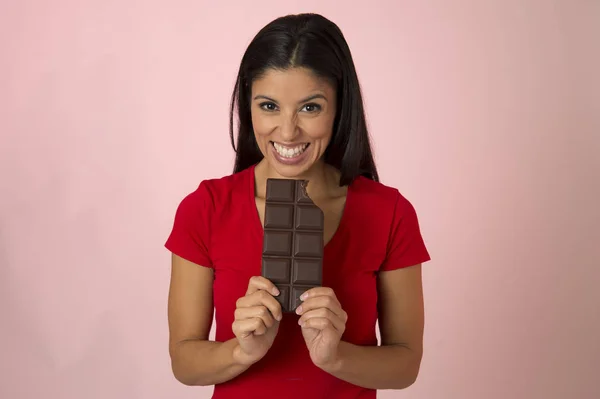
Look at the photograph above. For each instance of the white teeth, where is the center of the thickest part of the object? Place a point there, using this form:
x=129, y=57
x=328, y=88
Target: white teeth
x=288, y=152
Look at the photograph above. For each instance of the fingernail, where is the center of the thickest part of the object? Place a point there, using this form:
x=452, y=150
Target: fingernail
x=275, y=291
x=278, y=317
x=303, y=296
x=299, y=310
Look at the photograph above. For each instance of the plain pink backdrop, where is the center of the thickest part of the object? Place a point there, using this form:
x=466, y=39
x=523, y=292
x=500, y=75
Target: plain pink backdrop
x=485, y=114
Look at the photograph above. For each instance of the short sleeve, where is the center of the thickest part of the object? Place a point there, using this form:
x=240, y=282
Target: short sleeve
x=189, y=236
x=405, y=244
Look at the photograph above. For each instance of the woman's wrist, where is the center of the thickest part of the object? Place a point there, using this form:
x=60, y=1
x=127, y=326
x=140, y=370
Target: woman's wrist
x=240, y=358
x=335, y=364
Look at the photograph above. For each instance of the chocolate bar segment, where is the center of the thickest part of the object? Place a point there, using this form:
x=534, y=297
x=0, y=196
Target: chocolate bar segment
x=292, y=255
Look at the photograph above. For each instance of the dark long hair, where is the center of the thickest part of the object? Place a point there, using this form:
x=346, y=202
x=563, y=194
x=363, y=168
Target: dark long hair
x=310, y=41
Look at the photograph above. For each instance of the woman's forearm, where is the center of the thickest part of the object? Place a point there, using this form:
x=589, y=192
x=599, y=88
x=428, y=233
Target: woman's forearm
x=376, y=367
x=199, y=362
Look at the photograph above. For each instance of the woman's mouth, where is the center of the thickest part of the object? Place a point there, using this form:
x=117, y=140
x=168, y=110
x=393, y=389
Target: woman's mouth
x=290, y=152
x=291, y=155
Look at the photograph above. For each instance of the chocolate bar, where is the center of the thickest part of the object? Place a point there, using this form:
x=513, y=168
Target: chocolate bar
x=292, y=256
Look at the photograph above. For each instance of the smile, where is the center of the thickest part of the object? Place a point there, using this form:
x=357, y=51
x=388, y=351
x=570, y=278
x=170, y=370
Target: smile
x=290, y=152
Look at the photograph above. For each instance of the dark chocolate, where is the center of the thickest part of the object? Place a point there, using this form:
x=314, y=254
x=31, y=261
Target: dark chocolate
x=292, y=255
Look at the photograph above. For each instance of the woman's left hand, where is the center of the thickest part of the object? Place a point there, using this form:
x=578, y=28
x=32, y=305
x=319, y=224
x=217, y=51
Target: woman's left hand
x=323, y=322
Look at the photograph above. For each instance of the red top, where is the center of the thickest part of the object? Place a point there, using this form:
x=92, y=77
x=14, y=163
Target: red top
x=218, y=226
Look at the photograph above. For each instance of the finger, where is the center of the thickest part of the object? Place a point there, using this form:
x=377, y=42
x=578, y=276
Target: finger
x=336, y=322
x=259, y=312
x=326, y=302
x=247, y=327
x=257, y=283
x=318, y=291
x=261, y=298
x=318, y=323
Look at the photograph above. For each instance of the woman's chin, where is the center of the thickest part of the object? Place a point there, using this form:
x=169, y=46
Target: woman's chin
x=290, y=171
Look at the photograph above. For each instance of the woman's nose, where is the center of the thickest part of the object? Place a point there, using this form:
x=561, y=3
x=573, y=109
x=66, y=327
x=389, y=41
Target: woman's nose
x=289, y=128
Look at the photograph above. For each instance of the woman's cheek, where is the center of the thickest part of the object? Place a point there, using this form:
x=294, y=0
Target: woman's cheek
x=262, y=129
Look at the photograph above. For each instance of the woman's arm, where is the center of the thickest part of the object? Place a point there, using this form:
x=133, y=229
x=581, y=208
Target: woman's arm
x=395, y=364
x=194, y=359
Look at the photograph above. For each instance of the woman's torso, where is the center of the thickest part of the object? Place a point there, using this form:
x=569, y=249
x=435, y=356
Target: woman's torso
x=350, y=264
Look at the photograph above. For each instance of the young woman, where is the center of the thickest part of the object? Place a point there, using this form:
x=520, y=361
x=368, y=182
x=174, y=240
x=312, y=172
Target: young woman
x=300, y=115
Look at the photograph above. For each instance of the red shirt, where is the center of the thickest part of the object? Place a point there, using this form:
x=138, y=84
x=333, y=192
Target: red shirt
x=218, y=226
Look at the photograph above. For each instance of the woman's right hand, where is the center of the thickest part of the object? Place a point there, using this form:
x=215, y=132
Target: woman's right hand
x=256, y=323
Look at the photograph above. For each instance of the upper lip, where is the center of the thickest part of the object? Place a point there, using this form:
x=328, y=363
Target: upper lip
x=294, y=145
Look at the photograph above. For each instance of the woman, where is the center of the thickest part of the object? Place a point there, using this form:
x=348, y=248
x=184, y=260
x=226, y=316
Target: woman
x=301, y=116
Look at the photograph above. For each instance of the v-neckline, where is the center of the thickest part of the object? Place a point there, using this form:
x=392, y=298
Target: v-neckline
x=259, y=229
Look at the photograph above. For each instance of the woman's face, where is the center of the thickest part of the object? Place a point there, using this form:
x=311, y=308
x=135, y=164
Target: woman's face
x=292, y=115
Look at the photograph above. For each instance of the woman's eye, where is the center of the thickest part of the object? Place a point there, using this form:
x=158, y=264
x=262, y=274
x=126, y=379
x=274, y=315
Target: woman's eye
x=312, y=108
x=268, y=106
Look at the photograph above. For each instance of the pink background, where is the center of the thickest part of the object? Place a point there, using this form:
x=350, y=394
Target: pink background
x=485, y=114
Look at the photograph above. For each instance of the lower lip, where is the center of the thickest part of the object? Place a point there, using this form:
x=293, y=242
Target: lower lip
x=290, y=161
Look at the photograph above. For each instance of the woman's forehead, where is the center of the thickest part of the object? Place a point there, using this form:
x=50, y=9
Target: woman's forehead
x=291, y=82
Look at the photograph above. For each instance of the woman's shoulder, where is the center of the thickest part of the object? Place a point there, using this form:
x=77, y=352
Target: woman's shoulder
x=219, y=190
x=373, y=192
x=380, y=200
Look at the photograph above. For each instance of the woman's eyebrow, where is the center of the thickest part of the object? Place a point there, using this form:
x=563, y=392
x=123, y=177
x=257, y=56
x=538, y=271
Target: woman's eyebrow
x=309, y=98
x=261, y=97
x=313, y=97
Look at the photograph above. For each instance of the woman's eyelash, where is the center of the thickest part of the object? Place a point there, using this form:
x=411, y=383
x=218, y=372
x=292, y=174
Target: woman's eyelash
x=268, y=106
x=316, y=107
x=311, y=107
